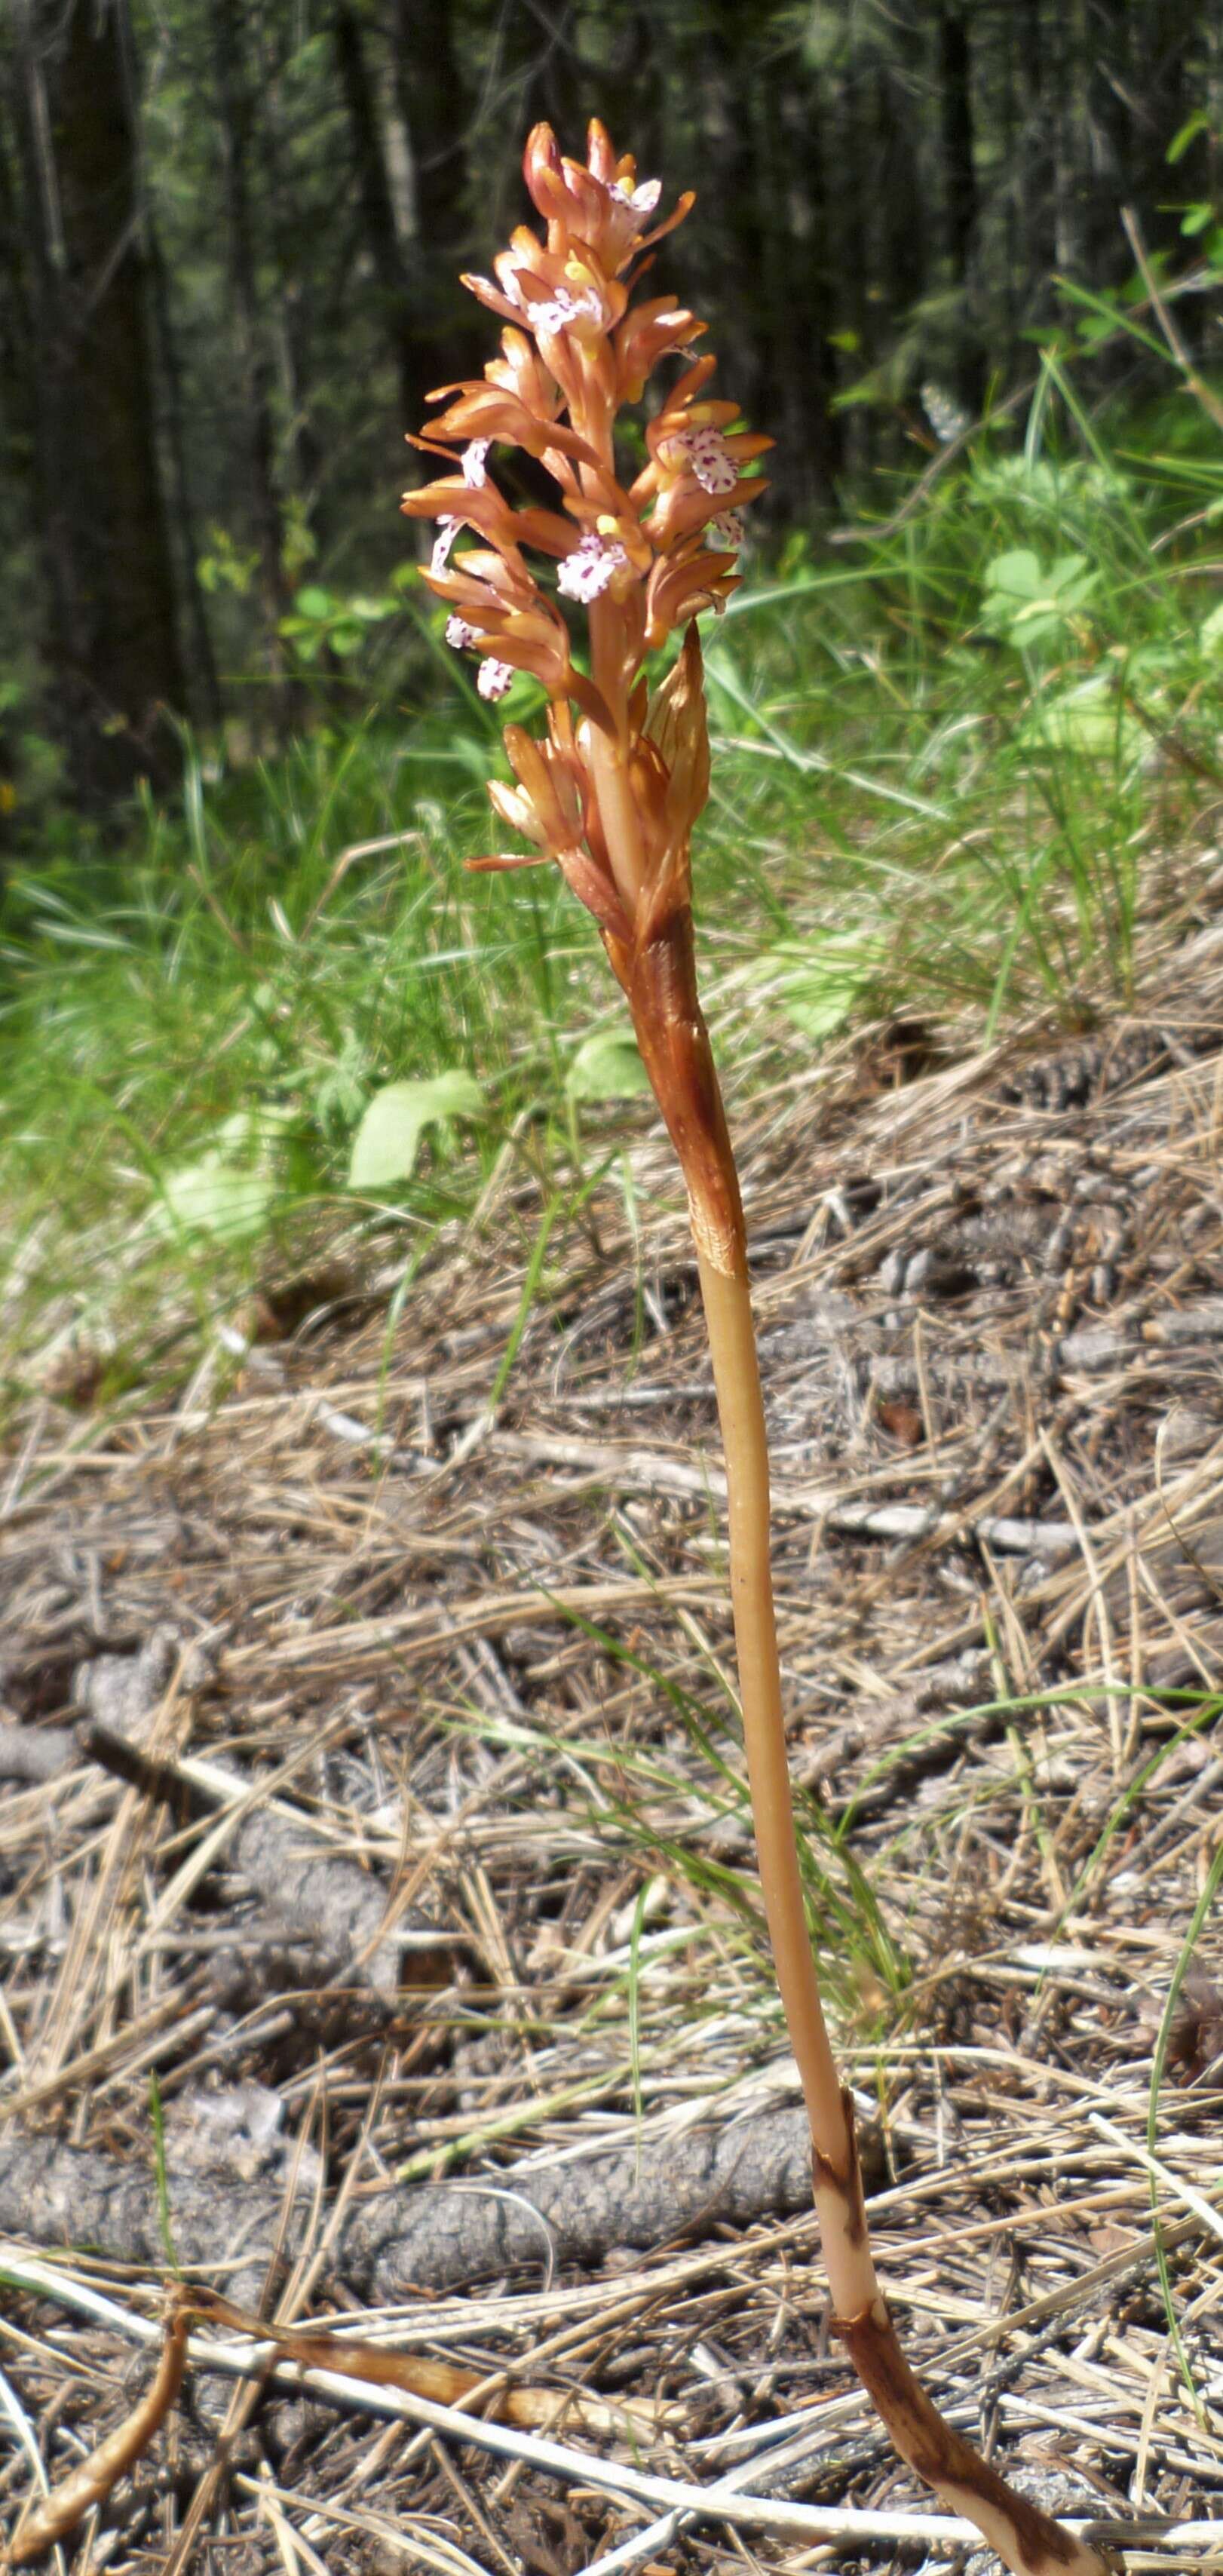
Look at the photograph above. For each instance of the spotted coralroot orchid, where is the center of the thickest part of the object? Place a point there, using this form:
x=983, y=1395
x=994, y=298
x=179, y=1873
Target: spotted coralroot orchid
x=611, y=793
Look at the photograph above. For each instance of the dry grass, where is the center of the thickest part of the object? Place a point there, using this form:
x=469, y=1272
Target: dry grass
x=484, y=1662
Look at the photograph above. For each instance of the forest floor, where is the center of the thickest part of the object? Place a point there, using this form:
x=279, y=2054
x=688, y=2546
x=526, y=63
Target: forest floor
x=371, y=1781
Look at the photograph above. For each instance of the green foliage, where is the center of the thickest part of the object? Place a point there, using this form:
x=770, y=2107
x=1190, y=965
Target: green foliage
x=1201, y=217
x=226, y=565
x=607, y=1066
x=388, y=1139
x=1029, y=604
x=165, y=2226
x=323, y=623
x=821, y=980
x=941, y=751
x=230, y=1192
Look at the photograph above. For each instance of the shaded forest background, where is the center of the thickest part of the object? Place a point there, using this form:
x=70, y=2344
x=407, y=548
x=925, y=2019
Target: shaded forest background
x=235, y=229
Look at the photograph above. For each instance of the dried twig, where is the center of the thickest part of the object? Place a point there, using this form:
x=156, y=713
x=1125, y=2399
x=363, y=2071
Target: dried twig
x=57, y=2514
x=432, y=2237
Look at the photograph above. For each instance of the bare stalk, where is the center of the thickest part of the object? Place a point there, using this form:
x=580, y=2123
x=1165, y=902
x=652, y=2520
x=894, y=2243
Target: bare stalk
x=675, y=1046
x=1026, y=2540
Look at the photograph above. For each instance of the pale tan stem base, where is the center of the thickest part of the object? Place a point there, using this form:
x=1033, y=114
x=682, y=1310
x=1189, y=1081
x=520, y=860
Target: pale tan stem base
x=618, y=815
x=1025, y=2539
x=732, y=1341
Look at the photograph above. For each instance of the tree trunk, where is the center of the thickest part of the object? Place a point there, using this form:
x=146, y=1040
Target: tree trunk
x=377, y=205
x=797, y=404
x=205, y=684
x=1035, y=163
x=112, y=637
x=235, y=102
x=17, y=325
x=1067, y=70
x=448, y=341
x=960, y=191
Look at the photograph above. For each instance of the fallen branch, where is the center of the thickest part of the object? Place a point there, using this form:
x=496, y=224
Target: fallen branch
x=444, y=2383
x=435, y=2236
x=56, y=2515
x=647, y=1471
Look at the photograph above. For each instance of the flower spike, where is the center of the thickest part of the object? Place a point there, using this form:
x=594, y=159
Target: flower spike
x=612, y=799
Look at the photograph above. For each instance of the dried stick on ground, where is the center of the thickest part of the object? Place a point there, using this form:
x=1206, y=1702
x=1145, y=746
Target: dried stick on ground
x=56, y=2515
x=433, y=2236
x=613, y=800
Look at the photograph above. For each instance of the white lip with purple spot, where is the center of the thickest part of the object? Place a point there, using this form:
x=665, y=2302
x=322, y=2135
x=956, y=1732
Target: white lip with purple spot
x=493, y=677
x=586, y=573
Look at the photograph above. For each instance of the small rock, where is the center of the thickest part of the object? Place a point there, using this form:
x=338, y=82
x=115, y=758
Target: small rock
x=120, y=1690
x=235, y=2129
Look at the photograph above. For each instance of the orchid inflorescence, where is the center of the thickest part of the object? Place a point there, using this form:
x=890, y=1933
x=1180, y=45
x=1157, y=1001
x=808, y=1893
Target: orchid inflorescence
x=662, y=549
x=613, y=791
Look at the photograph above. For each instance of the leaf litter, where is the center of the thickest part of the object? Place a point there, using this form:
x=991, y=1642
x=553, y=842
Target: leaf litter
x=331, y=1621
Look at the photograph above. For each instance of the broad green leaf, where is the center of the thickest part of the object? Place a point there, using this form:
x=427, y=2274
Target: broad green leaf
x=1016, y=575
x=1210, y=633
x=607, y=1067
x=820, y=981
x=387, y=1141
x=1070, y=577
x=313, y=602
x=216, y=1198
x=1027, y=603
x=1089, y=720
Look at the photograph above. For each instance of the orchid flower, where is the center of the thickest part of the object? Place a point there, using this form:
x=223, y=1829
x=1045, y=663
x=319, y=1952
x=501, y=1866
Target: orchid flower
x=611, y=795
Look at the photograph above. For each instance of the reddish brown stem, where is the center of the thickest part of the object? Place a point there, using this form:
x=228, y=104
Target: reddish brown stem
x=659, y=975
x=1026, y=2540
